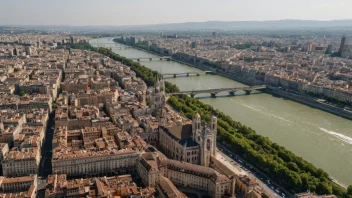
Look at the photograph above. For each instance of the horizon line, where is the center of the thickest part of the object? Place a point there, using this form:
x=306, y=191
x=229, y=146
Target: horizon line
x=4, y=25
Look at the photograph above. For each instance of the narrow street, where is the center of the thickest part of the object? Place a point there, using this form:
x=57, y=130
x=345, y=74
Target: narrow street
x=45, y=167
x=45, y=163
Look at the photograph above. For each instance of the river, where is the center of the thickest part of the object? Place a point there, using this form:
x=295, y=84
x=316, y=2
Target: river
x=319, y=137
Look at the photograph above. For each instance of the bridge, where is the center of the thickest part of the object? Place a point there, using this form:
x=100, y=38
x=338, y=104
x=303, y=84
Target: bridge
x=185, y=74
x=214, y=92
x=106, y=45
x=113, y=46
x=120, y=48
x=168, y=58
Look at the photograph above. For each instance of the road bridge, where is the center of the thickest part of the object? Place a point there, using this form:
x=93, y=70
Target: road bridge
x=120, y=48
x=185, y=74
x=214, y=92
x=168, y=58
x=105, y=45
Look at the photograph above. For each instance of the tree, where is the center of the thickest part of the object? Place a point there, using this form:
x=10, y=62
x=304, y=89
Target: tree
x=324, y=188
x=264, y=195
x=293, y=166
x=336, y=190
x=148, y=102
x=349, y=190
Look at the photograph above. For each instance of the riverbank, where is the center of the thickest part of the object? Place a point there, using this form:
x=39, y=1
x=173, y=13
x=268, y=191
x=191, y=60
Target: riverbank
x=137, y=48
x=306, y=100
x=282, y=165
x=319, y=137
x=144, y=50
x=310, y=102
x=223, y=74
x=199, y=66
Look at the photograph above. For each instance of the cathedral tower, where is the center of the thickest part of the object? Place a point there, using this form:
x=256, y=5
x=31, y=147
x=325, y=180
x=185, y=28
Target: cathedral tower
x=205, y=135
x=158, y=94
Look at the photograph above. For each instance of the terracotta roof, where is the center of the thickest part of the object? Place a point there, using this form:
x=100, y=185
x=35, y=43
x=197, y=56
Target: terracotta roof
x=169, y=189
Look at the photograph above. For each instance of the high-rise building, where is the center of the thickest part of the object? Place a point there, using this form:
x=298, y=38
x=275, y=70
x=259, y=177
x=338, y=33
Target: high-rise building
x=28, y=50
x=215, y=34
x=271, y=44
x=71, y=40
x=329, y=49
x=345, y=47
x=287, y=49
x=342, y=44
x=194, y=44
x=133, y=40
x=15, y=52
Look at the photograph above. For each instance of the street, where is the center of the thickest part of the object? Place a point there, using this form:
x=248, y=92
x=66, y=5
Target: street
x=269, y=186
x=45, y=162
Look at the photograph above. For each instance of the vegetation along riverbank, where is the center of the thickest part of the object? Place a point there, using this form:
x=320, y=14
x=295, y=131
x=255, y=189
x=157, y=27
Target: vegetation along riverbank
x=282, y=165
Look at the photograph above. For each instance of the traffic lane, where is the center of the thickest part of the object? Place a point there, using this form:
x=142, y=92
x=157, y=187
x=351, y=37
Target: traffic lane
x=255, y=172
x=271, y=192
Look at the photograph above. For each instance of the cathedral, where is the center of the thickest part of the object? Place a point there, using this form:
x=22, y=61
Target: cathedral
x=191, y=141
x=158, y=100
x=205, y=136
x=188, y=151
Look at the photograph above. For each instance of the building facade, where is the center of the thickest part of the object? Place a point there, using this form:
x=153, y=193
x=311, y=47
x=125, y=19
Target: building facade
x=205, y=135
x=95, y=163
x=19, y=163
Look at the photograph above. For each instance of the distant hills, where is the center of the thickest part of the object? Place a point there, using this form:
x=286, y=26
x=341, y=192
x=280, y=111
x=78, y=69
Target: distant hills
x=221, y=25
x=211, y=25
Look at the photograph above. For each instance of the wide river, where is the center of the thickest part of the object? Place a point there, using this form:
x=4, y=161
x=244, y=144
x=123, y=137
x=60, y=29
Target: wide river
x=319, y=137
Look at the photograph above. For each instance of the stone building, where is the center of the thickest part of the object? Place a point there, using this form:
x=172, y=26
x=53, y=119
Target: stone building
x=158, y=95
x=166, y=189
x=203, y=179
x=19, y=163
x=153, y=167
x=205, y=136
x=25, y=186
x=4, y=149
x=193, y=143
x=148, y=169
x=94, y=163
x=102, y=187
x=177, y=143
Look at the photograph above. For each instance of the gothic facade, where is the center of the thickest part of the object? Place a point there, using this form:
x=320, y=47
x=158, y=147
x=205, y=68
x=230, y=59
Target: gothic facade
x=204, y=134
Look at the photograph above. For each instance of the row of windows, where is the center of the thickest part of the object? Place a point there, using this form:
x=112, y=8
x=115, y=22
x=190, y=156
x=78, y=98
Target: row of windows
x=94, y=160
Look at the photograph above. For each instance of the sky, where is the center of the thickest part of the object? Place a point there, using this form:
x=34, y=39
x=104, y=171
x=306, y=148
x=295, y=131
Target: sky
x=139, y=12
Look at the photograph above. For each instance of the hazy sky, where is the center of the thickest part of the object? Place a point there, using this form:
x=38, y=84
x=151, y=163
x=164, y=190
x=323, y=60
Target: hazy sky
x=135, y=12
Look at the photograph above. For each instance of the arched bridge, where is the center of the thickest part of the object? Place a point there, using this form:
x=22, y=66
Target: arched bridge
x=120, y=48
x=214, y=92
x=112, y=46
x=185, y=74
x=168, y=58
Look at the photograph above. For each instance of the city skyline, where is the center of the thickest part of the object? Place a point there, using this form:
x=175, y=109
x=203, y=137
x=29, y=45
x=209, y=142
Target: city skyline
x=139, y=12
x=91, y=111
